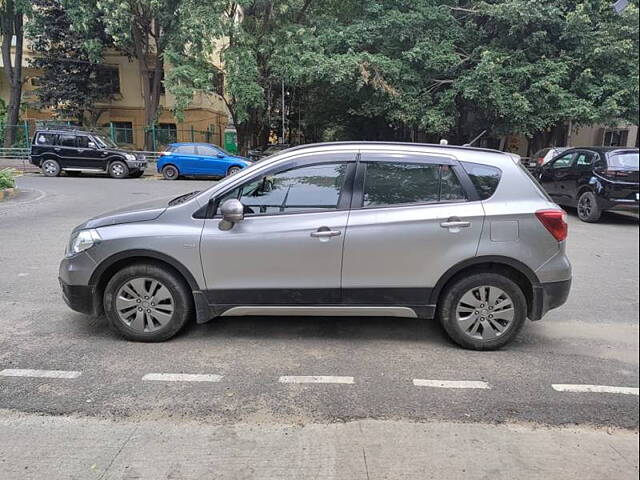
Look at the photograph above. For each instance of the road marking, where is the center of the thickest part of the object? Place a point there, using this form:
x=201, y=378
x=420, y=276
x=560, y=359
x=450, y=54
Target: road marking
x=450, y=384
x=181, y=377
x=560, y=387
x=316, y=379
x=19, y=372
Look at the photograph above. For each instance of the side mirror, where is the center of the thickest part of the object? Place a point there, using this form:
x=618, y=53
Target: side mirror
x=92, y=145
x=232, y=212
x=220, y=155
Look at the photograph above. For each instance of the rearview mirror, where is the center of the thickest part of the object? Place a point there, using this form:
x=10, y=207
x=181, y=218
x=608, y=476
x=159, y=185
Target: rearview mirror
x=232, y=212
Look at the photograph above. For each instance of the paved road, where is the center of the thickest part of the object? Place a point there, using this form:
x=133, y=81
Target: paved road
x=592, y=340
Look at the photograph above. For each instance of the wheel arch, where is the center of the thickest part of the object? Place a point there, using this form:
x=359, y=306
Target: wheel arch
x=520, y=273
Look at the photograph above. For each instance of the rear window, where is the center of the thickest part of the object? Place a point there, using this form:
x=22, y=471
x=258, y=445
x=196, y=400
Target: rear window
x=185, y=149
x=485, y=178
x=45, y=138
x=623, y=160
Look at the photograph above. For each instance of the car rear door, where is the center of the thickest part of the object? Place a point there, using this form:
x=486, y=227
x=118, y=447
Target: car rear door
x=67, y=151
x=413, y=217
x=288, y=248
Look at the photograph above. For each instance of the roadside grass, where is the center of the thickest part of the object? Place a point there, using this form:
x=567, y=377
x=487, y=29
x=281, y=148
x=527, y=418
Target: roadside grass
x=7, y=178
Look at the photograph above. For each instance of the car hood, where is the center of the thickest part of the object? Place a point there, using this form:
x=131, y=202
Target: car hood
x=141, y=212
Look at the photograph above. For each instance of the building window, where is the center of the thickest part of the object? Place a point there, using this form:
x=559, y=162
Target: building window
x=122, y=132
x=167, y=133
x=616, y=138
x=109, y=76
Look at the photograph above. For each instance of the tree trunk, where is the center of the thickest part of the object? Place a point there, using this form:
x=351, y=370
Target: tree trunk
x=12, y=24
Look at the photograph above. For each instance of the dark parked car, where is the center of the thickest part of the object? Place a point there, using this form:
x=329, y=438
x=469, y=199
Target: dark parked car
x=267, y=150
x=77, y=151
x=593, y=179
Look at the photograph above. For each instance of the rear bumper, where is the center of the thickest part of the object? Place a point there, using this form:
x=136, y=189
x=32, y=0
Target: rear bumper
x=80, y=298
x=547, y=296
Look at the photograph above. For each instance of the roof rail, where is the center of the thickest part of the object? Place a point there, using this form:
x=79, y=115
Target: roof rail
x=356, y=143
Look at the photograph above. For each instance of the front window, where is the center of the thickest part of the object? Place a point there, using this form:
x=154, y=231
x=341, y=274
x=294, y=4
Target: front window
x=312, y=188
x=184, y=149
x=105, y=142
x=623, y=160
x=564, y=161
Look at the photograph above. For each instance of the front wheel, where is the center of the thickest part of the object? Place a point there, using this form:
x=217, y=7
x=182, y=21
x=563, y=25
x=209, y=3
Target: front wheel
x=588, y=209
x=147, y=303
x=484, y=311
x=50, y=168
x=118, y=169
x=233, y=170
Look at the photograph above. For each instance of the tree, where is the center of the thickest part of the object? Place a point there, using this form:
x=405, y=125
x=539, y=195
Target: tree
x=71, y=81
x=141, y=29
x=12, y=14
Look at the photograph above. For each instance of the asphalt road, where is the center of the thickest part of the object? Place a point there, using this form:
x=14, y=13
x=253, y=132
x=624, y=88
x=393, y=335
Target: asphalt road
x=592, y=340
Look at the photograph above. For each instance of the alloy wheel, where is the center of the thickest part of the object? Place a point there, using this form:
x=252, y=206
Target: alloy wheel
x=50, y=167
x=485, y=312
x=144, y=304
x=585, y=207
x=117, y=170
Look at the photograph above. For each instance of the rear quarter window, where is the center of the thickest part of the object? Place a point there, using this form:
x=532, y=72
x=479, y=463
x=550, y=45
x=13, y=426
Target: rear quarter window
x=485, y=178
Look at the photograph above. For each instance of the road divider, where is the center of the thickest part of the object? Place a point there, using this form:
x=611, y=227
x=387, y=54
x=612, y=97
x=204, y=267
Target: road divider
x=451, y=384
x=565, y=387
x=316, y=379
x=21, y=372
x=181, y=377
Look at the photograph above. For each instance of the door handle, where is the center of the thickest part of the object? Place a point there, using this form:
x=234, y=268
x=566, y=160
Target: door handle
x=325, y=232
x=455, y=222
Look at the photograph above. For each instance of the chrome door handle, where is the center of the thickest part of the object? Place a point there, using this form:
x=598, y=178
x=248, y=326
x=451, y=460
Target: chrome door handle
x=455, y=222
x=324, y=232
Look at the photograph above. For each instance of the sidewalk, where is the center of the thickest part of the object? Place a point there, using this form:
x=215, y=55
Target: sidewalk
x=36, y=447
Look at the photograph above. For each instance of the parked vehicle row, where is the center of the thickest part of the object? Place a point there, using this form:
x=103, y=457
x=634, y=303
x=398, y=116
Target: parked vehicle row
x=463, y=235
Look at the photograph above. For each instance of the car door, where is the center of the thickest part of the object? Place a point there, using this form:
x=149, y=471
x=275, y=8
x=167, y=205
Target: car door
x=411, y=220
x=88, y=157
x=67, y=151
x=569, y=184
x=186, y=159
x=212, y=161
x=288, y=248
x=554, y=173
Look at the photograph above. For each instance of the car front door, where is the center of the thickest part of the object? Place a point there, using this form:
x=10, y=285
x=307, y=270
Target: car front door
x=569, y=182
x=88, y=157
x=212, y=161
x=554, y=173
x=413, y=217
x=288, y=248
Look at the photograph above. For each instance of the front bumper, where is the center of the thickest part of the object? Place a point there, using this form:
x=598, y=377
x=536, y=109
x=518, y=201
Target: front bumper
x=80, y=298
x=74, y=274
x=547, y=296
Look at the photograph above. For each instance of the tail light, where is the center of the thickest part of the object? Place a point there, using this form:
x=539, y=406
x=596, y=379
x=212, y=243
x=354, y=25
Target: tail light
x=616, y=173
x=540, y=161
x=556, y=222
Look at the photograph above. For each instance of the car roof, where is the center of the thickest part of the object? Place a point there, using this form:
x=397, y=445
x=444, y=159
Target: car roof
x=601, y=149
x=369, y=144
x=65, y=130
x=178, y=144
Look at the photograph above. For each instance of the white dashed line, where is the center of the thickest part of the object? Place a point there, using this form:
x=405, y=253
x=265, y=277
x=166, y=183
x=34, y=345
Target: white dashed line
x=316, y=379
x=181, y=377
x=594, y=389
x=19, y=372
x=450, y=384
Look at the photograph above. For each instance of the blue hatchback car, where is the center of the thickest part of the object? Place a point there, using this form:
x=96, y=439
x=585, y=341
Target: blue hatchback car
x=198, y=159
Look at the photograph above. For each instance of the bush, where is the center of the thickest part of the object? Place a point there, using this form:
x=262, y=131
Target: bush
x=7, y=179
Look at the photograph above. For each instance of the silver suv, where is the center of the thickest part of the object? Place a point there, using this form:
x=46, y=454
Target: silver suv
x=460, y=234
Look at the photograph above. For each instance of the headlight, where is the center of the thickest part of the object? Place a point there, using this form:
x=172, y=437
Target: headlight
x=82, y=240
x=129, y=156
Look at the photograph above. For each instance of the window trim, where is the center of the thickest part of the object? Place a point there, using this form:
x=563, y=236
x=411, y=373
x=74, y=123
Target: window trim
x=344, y=201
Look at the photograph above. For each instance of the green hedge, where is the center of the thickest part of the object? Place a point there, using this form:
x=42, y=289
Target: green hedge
x=7, y=180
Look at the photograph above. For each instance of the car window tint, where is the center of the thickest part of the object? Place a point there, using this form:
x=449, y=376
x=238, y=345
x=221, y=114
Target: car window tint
x=83, y=142
x=584, y=159
x=208, y=151
x=67, y=140
x=312, y=188
x=185, y=149
x=46, y=138
x=563, y=162
x=485, y=178
x=400, y=183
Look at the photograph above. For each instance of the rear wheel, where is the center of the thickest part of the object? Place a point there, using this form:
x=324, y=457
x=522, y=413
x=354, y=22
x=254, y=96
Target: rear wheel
x=118, y=169
x=588, y=208
x=484, y=311
x=147, y=303
x=50, y=168
x=169, y=172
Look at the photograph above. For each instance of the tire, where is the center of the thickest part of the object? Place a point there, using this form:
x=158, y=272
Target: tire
x=118, y=169
x=72, y=173
x=233, y=170
x=170, y=172
x=588, y=209
x=50, y=168
x=134, y=315
x=469, y=331
x=137, y=174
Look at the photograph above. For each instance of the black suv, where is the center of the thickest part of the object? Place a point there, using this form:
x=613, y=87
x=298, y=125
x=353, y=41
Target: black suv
x=76, y=151
x=593, y=179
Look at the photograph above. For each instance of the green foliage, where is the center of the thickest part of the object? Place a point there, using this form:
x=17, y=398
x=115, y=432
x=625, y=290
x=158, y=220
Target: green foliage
x=7, y=178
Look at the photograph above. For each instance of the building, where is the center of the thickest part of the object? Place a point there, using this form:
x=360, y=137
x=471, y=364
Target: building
x=205, y=120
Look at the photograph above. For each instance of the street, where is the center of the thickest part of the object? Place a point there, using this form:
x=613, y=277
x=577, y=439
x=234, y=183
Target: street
x=388, y=375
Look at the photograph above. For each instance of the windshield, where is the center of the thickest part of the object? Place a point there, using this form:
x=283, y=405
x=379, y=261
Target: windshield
x=624, y=160
x=105, y=142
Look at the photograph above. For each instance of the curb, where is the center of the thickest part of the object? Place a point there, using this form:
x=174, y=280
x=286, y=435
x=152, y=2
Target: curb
x=8, y=193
